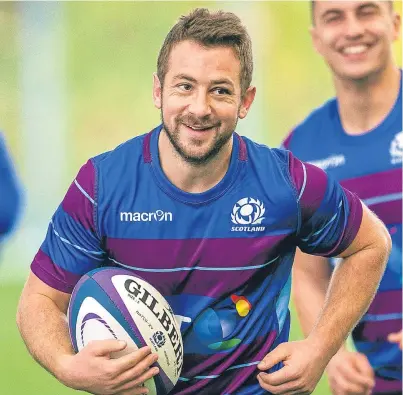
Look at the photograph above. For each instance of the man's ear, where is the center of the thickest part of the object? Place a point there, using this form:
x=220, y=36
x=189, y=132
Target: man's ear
x=157, y=91
x=247, y=101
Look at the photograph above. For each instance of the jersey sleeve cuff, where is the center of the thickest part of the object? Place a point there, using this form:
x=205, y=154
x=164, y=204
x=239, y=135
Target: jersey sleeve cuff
x=52, y=275
x=353, y=224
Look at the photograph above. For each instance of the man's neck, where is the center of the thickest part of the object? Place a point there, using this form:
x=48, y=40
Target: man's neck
x=190, y=177
x=363, y=105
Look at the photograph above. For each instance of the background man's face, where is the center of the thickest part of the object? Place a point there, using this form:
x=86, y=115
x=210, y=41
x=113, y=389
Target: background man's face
x=200, y=99
x=355, y=37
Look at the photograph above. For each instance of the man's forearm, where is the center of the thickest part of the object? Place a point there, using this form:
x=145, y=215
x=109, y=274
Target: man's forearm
x=352, y=288
x=44, y=330
x=311, y=277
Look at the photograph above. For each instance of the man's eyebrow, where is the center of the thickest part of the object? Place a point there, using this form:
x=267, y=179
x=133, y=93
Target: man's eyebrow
x=368, y=5
x=222, y=81
x=184, y=77
x=338, y=11
x=219, y=81
x=330, y=11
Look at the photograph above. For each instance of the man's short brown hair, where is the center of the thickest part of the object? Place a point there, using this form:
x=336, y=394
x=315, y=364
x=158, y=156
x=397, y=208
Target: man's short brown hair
x=210, y=29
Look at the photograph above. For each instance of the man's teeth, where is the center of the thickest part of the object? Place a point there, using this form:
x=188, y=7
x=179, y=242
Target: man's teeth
x=356, y=49
x=194, y=128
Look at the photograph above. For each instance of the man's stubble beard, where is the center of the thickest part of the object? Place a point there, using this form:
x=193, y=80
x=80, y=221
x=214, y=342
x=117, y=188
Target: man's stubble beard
x=219, y=142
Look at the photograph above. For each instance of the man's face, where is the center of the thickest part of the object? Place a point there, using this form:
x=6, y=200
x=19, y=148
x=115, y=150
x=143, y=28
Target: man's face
x=200, y=99
x=354, y=37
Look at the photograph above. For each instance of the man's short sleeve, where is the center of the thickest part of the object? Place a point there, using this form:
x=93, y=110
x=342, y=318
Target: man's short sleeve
x=72, y=246
x=330, y=215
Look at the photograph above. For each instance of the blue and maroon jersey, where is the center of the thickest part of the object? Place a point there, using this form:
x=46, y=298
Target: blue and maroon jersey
x=370, y=165
x=222, y=258
x=10, y=191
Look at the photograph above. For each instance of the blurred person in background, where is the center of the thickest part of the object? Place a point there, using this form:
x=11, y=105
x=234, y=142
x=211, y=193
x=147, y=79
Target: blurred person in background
x=10, y=194
x=192, y=199
x=357, y=138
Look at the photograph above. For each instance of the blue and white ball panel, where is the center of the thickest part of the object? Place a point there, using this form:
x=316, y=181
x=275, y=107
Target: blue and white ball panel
x=112, y=303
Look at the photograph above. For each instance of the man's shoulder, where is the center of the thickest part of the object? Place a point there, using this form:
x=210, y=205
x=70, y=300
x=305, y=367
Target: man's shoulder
x=262, y=153
x=124, y=154
x=311, y=128
x=315, y=119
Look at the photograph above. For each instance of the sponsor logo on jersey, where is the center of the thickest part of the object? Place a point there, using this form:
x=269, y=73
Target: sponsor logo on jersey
x=157, y=216
x=330, y=162
x=396, y=149
x=247, y=214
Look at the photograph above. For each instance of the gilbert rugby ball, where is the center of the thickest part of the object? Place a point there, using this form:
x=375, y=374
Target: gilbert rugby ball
x=114, y=303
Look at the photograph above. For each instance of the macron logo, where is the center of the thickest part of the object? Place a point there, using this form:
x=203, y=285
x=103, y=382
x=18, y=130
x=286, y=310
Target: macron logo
x=158, y=216
x=330, y=162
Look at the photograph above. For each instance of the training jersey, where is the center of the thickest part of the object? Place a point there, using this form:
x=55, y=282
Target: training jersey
x=221, y=258
x=369, y=165
x=10, y=194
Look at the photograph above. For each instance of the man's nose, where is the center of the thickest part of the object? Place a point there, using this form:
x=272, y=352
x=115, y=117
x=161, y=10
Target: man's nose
x=200, y=105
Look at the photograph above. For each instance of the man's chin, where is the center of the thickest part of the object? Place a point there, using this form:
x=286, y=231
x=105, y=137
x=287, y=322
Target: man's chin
x=358, y=73
x=197, y=157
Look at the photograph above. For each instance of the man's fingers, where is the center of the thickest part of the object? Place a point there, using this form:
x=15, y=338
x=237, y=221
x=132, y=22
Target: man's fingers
x=137, y=370
x=363, y=366
x=395, y=337
x=275, y=389
x=341, y=385
x=279, y=354
x=279, y=377
x=138, y=382
x=356, y=378
x=105, y=347
x=127, y=361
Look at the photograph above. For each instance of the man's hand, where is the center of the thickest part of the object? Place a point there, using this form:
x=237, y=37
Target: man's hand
x=303, y=368
x=396, y=338
x=93, y=370
x=350, y=373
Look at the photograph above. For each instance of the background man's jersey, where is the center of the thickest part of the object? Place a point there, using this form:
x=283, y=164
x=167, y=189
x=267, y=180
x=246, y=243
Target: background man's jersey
x=10, y=194
x=369, y=165
x=221, y=258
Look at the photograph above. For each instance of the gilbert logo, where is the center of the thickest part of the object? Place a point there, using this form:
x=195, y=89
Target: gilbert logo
x=248, y=211
x=157, y=216
x=396, y=149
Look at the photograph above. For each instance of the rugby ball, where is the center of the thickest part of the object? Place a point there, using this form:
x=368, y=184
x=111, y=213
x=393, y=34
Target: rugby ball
x=114, y=303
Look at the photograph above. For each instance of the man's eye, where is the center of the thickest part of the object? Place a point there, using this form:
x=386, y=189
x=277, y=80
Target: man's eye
x=221, y=91
x=185, y=87
x=332, y=18
x=367, y=11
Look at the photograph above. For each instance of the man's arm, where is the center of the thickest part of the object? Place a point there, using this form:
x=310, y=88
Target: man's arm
x=352, y=288
x=354, y=283
x=311, y=277
x=42, y=321
x=348, y=372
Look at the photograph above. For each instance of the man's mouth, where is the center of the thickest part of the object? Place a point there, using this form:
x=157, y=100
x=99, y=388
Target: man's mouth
x=198, y=128
x=355, y=49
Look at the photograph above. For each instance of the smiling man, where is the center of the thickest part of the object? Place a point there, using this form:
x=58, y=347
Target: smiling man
x=357, y=138
x=224, y=216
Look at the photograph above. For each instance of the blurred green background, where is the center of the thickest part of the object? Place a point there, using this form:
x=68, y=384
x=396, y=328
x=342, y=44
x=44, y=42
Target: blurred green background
x=76, y=80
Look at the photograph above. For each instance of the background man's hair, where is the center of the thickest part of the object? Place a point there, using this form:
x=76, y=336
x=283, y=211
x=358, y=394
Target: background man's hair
x=210, y=29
